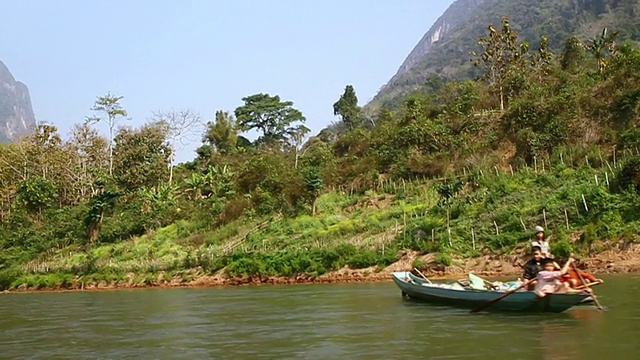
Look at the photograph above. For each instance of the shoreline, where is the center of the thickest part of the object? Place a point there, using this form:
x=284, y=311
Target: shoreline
x=625, y=261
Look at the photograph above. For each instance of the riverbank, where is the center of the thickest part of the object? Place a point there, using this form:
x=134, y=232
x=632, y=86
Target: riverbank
x=622, y=258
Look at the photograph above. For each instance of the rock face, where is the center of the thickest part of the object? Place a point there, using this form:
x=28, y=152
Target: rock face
x=16, y=113
x=455, y=15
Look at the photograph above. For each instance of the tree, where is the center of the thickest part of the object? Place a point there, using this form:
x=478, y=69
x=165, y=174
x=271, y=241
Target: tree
x=111, y=107
x=296, y=136
x=222, y=134
x=181, y=127
x=601, y=47
x=99, y=204
x=275, y=119
x=141, y=156
x=502, y=55
x=313, y=184
x=91, y=158
x=573, y=55
x=348, y=109
x=36, y=193
x=541, y=61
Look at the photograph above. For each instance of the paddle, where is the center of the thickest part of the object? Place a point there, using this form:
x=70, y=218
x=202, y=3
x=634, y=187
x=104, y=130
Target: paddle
x=421, y=274
x=584, y=283
x=582, y=287
x=489, y=303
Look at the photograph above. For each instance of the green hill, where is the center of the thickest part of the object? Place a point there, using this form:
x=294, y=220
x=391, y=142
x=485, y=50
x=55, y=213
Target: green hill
x=456, y=35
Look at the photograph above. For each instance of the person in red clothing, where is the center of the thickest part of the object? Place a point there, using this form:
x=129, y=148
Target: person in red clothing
x=574, y=281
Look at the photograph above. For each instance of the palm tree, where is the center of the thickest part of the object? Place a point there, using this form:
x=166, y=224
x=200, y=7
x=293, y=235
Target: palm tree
x=602, y=46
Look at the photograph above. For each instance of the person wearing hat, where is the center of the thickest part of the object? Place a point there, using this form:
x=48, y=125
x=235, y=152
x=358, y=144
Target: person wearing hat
x=542, y=242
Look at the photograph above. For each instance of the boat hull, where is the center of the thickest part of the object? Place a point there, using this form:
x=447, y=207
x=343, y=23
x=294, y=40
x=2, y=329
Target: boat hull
x=525, y=301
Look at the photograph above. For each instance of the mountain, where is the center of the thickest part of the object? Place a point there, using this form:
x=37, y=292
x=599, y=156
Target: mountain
x=16, y=113
x=445, y=48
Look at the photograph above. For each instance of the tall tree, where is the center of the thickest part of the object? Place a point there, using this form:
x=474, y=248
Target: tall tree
x=109, y=105
x=181, y=125
x=276, y=120
x=502, y=54
x=347, y=108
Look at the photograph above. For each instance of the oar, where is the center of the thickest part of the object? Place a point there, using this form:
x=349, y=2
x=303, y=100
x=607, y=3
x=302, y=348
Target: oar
x=421, y=274
x=489, y=303
x=582, y=287
x=584, y=283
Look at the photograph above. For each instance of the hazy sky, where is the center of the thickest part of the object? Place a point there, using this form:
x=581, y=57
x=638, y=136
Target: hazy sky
x=206, y=55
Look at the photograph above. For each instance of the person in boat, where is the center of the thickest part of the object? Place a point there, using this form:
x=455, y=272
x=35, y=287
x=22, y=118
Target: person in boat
x=532, y=267
x=574, y=281
x=548, y=279
x=542, y=242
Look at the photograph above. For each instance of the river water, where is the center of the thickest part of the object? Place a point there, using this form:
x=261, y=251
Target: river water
x=347, y=321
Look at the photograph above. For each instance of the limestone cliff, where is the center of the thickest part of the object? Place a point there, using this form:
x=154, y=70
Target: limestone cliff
x=16, y=113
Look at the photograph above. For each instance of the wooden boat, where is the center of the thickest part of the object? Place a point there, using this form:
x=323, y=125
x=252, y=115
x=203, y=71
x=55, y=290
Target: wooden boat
x=450, y=294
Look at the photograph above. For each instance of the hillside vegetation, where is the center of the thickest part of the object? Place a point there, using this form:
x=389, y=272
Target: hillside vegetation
x=465, y=169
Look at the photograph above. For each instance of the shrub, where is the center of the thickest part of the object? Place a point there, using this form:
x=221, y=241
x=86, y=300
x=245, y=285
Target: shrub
x=443, y=259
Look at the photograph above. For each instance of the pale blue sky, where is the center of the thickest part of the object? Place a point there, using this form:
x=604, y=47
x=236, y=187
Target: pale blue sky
x=206, y=55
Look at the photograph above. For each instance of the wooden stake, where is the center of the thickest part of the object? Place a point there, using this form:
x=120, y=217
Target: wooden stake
x=473, y=239
x=596, y=176
x=609, y=166
x=606, y=176
x=585, y=202
x=404, y=229
x=535, y=164
x=566, y=218
x=449, y=227
x=511, y=168
x=600, y=156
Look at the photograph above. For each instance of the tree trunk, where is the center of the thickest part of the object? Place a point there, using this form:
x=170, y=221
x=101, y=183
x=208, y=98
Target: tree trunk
x=94, y=228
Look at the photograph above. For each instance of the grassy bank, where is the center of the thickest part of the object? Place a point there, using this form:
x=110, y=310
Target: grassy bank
x=473, y=213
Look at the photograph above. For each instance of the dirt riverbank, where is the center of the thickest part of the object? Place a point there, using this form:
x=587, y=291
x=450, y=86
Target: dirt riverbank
x=618, y=259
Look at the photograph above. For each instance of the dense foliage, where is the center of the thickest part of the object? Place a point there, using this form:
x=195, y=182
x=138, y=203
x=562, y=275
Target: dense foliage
x=464, y=167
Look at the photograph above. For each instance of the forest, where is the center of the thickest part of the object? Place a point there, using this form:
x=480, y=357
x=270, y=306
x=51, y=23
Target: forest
x=458, y=169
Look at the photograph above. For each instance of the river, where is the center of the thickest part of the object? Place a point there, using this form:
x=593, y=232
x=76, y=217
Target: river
x=345, y=321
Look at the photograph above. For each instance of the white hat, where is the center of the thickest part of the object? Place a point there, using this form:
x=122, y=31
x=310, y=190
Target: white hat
x=539, y=229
